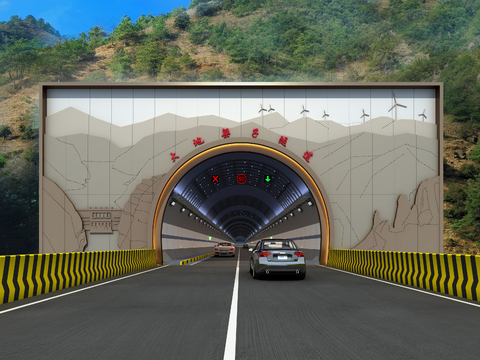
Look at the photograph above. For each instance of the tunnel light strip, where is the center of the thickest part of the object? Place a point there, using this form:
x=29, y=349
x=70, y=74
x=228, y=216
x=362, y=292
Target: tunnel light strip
x=231, y=343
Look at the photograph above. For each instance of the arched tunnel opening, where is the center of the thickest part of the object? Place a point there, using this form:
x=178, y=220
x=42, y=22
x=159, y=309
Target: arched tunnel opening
x=239, y=197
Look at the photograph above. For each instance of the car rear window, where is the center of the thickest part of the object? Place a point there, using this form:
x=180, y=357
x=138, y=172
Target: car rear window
x=225, y=244
x=279, y=245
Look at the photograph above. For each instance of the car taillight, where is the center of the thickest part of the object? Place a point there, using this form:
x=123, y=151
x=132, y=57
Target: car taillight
x=264, y=254
x=216, y=249
x=232, y=249
x=299, y=254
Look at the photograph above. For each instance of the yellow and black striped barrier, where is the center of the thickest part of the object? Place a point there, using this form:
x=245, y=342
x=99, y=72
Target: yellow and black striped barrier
x=183, y=262
x=23, y=276
x=455, y=275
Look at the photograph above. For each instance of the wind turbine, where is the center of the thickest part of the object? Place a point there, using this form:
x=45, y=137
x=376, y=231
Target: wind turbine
x=271, y=109
x=325, y=114
x=261, y=108
x=423, y=114
x=363, y=116
x=395, y=106
x=304, y=110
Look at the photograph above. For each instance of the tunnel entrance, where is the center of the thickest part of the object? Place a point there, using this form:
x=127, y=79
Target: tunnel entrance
x=240, y=192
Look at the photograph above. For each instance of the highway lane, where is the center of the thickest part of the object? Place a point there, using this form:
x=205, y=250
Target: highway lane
x=182, y=312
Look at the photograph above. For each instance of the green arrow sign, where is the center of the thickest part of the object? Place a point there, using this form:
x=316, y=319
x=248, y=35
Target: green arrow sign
x=267, y=179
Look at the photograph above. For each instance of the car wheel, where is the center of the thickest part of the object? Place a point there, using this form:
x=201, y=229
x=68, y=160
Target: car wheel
x=254, y=273
x=301, y=276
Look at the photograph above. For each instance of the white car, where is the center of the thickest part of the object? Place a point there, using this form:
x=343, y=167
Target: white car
x=224, y=249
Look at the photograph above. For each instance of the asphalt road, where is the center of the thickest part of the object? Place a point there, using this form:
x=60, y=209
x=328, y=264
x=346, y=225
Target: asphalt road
x=182, y=312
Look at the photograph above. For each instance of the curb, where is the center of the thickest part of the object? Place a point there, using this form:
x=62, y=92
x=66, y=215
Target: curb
x=183, y=262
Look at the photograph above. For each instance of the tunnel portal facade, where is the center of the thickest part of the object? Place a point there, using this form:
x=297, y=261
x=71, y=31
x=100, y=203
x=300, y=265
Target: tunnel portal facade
x=111, y=156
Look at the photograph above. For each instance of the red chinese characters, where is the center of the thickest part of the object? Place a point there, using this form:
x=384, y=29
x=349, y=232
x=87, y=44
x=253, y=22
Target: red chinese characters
x=225, y=133
x=174, y=157
x=307, y=155
x=283, y=141
x=198, y=141
x=255, y=133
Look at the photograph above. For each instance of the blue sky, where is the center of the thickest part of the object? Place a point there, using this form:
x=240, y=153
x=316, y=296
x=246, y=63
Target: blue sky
x=71, y=17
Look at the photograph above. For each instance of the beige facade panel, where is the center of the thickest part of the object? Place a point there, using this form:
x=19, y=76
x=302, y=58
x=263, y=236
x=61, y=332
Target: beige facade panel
x=108, y=146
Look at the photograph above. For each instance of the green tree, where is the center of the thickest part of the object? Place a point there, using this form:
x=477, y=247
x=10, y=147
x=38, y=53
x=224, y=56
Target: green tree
x=61, y=59
x=127, y=30
x=199, y=31
x=182, y=21
x=17, y=58
x=121, y=64
x=5, y=131
x=469, y=225
x=170, y=68
x=96, y=35
x=474, y=155
x=187, y=62
x=149, y=59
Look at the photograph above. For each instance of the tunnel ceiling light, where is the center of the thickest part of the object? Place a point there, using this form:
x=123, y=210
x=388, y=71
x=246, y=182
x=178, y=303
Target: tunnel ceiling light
x=190, y=214
x=281, y=220
x=291, y=214
x=196, y=217
x=310, y=203
x=183, y=209
x=173, y=203
x=285, y=218
x=299, y=210
x=201, y=220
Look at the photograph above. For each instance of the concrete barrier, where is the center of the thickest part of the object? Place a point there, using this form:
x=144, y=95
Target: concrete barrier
x=455, y=275
x=23, y=276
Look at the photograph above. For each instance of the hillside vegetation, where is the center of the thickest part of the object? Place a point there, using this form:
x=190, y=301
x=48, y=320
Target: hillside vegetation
x=251, y=40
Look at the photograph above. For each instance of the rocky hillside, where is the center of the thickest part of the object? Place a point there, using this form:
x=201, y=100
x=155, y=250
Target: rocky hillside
x=258, y=40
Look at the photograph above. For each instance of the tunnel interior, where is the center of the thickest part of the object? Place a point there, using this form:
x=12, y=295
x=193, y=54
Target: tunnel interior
x=240, y=197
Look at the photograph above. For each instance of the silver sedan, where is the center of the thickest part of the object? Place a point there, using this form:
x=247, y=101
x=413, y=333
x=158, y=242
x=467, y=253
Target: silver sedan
x=224, y=249
x=277, y=256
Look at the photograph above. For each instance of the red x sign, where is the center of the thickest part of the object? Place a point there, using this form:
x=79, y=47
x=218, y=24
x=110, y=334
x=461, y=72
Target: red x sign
x=215, y=178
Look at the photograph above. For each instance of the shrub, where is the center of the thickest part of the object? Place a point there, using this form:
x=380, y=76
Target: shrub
x=5, y=131
x=451, y=242
x=2, y=160
x=31, y=155
x=182, y=21
x=28, y=132
x=96, y=76
x=469, y=170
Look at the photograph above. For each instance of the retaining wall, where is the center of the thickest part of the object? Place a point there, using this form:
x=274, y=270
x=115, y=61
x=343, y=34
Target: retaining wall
x=455, y=275
x=23, y=276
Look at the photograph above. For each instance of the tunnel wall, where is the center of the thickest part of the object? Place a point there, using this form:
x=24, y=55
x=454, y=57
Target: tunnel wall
x=180, y=243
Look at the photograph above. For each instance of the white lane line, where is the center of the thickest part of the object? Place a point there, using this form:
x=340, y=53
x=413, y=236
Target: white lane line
x=199, y=261
x=75, y=291
x=405, y=287
x=231, y=343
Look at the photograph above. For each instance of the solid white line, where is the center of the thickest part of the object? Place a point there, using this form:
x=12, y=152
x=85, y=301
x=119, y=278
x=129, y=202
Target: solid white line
x=231, y=343
x=199, y=261
x=405, y=287
x=75, y=291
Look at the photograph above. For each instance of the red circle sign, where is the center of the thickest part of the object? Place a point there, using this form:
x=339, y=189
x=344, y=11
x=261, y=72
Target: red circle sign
x=241, y=179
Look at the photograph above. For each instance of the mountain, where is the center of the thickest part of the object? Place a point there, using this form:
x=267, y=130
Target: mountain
x=28, y=28
x=263, y=40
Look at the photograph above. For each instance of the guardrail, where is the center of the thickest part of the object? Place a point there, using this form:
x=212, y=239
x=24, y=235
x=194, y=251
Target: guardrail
x=183, y=262
x=23, y=276
x=455, y=275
